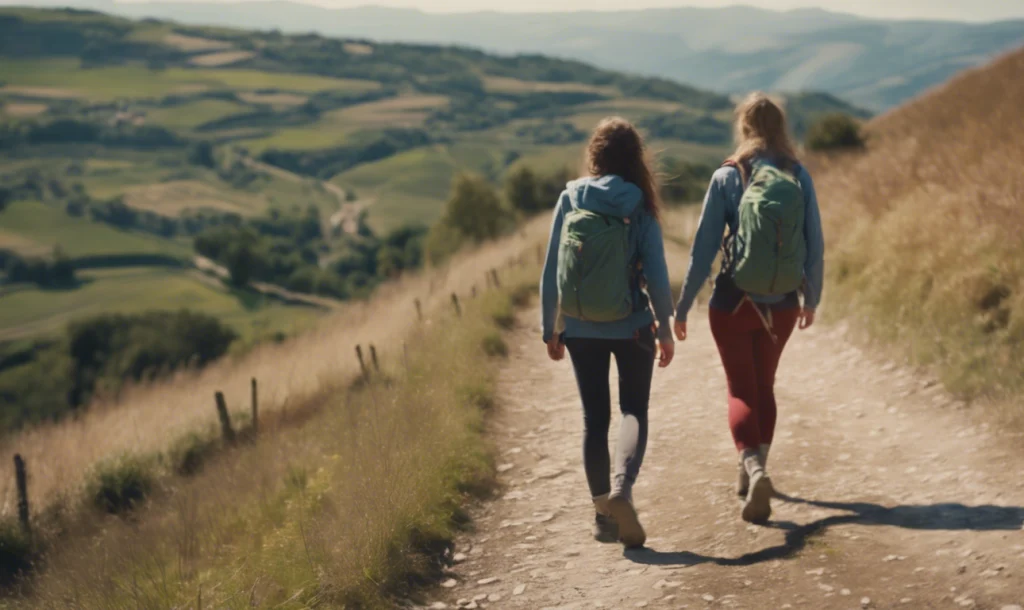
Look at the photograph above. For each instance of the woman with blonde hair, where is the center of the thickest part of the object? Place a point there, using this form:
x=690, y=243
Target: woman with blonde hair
x=605, y=268
x=773, y=251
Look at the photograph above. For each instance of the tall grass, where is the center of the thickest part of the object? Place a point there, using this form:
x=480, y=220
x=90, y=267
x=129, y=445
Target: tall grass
x=349, y=509
x=148, y=419
x=925, y=230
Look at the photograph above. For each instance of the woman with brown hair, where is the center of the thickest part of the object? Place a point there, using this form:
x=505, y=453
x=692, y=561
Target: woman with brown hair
x=755, y=304
x=605, y=268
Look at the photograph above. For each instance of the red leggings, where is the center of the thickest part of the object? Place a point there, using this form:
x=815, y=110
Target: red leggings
x=750, y=358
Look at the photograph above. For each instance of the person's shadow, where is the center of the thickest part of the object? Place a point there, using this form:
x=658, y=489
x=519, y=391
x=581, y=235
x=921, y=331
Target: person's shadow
x=950, y=516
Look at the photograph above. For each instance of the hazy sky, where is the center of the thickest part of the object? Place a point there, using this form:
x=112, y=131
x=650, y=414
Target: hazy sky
x=972, y=10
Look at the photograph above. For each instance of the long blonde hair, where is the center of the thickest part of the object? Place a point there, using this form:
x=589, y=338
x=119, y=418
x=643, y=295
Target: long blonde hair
x=761, y=131
x=616, y=147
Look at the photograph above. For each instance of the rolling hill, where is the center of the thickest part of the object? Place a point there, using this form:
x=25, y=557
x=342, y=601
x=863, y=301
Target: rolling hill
x=926, y=231
x=124, y=140
x=874, y=64
x=260, y=178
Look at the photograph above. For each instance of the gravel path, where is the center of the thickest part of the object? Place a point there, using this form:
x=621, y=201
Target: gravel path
x=893, y=496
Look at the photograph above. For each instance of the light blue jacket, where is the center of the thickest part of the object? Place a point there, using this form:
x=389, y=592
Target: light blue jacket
x=612, y=196
x=721, y=209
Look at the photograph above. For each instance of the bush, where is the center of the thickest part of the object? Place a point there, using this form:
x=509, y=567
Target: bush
x=190, y=453
x=474, y=209
x=121, y=484
x=835, y=131
x=494, y=346
x=16, y=551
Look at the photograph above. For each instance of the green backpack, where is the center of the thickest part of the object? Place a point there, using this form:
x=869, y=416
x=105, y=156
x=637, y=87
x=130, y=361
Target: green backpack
x=769, y=249
x=594, y=269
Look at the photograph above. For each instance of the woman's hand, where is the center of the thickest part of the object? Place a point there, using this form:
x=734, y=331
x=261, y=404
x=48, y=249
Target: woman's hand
x=806, y=318
x=666, y=351
x=680, y=330
x=556, y=348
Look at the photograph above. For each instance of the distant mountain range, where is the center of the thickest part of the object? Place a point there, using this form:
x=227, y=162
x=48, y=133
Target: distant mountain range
x=872, y=63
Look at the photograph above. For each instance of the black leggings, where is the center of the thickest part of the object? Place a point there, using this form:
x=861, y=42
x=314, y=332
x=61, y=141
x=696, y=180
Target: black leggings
x=591, y=359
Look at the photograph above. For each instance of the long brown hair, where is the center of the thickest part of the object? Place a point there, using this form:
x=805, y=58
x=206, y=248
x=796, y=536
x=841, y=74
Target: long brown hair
x=761, y=131
x=617, y=148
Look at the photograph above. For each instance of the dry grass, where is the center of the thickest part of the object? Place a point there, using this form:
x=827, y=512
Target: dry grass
x=146, y=419
x=23, y=109
x=925, y=230
x=405, y=111
x=173, y=198
x=194, y=43
x=358, y=48
x=344, y=510
x=505, y=84
x=277, y=100
x=225, y=58
x=41, y=92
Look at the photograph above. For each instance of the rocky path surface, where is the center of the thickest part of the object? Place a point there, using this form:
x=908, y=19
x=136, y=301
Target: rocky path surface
x=893, y=496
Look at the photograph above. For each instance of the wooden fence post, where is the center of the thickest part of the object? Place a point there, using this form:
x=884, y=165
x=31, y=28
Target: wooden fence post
x=21, y=477
x=455, y=303
x=373, y=358
x=362, y=363
x=419, y=310
x=494, y=275
x=255, y=407
x=225, y=420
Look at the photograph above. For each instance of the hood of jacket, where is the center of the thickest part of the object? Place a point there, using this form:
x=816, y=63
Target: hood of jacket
x=608, y=195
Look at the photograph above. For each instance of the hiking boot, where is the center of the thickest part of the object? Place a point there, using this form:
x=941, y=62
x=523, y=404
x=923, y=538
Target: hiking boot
x=631, y=533
x=743, y=480
x=605, y=528
x=757, y=508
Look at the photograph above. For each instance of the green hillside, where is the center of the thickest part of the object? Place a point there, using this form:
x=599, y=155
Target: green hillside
x=137, y=144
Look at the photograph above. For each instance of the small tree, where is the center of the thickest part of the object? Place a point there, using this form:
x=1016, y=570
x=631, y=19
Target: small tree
x=836, y=131
x=201, y=153
x=521, y=190
x=474, y=208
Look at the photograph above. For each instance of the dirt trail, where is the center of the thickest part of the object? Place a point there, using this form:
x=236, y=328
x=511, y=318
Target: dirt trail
x=897, y=497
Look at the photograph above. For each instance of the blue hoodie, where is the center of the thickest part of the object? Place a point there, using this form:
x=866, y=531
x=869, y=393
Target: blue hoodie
x=721, y=210
x=611, y=196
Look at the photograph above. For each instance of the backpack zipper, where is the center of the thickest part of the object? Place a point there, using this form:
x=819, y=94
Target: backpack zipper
x=778, y=253
x=579, y=282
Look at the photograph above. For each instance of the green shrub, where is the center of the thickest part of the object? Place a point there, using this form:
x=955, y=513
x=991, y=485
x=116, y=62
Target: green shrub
x=120, y=484
x=835, y=131
x=190, y=453
x=479, y=394
x=501, y=312
x=15, y=551
x=494, y=345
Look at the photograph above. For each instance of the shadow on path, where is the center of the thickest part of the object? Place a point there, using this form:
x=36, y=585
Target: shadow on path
x=951, y=516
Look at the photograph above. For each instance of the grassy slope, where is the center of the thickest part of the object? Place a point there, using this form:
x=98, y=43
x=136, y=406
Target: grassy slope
x=382, y=468
x=34, y=312
x=48, y=226
x=134, y=82
x=924, y=230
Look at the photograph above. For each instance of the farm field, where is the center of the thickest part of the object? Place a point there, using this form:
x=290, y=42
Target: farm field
x=41, y=226
x=34, y=312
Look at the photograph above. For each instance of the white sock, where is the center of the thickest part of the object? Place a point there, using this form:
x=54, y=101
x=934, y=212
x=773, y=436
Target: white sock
x=752, y=462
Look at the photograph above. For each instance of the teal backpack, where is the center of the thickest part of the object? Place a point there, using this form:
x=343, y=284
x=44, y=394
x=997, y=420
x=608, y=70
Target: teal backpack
x=595, y=274
x=768, y=249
